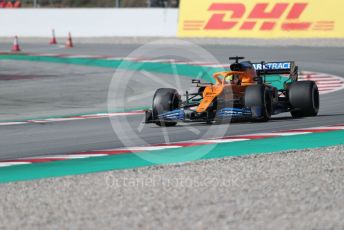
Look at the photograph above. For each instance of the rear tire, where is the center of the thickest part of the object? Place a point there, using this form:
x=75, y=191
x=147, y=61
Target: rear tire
x=165, y=100
x=258, y=97
x=304, y=99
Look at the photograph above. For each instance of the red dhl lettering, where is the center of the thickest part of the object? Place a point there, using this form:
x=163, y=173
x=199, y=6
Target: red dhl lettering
x=236, y=11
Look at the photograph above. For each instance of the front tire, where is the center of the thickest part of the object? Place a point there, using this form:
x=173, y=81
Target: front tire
x=259, y=99
x=165, y=100
x=304, y=99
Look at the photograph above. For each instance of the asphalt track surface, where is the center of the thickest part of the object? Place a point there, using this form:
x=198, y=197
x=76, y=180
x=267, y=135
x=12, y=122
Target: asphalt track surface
x=62, y=89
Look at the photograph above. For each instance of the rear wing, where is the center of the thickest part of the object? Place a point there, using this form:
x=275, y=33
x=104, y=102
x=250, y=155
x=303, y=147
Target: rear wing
x=271, y=68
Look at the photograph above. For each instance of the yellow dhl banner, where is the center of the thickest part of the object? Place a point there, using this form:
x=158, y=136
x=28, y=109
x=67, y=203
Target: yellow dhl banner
x=262, y=18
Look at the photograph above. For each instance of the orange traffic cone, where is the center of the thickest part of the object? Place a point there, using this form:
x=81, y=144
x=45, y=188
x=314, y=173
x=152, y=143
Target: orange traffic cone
x=53, y=40
x=69, y=43
x=15, y=46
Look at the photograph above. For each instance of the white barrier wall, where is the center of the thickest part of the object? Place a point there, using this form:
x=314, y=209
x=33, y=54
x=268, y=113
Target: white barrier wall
x=89, y=22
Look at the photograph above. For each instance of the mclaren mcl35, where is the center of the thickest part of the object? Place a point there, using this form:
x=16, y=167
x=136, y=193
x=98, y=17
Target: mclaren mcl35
x=245, y=91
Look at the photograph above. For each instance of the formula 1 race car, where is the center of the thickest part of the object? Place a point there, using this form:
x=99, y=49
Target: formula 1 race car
x=242, y=92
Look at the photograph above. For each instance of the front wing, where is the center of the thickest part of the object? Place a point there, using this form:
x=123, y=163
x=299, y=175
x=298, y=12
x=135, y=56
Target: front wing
x=182, y=115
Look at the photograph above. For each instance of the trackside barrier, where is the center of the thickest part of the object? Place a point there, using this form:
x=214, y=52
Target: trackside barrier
x=197, y=18
x=89, y=22
x=262, y=18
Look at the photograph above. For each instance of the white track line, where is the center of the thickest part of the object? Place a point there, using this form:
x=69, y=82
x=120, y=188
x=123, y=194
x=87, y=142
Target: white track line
x=7, y=164
x=227, y=140
x=74, y=156
x=278, y=134
x=149, y=148
x=325, y=127
x=12, y=123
